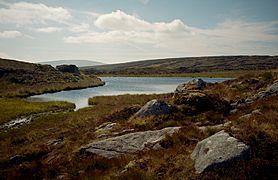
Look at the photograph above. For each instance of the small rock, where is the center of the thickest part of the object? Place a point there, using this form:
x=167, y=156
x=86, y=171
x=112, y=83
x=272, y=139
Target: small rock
x=255, y=112
x=106, y=126
x=246, y=116
x=217, y=151
x=153, y=108
x=55, y=142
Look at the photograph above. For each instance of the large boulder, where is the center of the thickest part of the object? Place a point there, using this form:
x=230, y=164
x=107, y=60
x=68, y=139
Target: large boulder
x=68, y=68
x=195, y=84
x=217, y=151
x=128, y=143
x=153, y=108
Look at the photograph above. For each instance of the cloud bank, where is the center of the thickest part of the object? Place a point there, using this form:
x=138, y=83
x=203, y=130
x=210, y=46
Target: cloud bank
x=228, y=37
x=129, y=36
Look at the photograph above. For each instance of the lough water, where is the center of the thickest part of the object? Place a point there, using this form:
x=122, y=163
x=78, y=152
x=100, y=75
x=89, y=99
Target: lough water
x=117, y=86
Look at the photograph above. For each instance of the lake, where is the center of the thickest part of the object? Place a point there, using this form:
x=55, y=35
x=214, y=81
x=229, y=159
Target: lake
x=118, y=86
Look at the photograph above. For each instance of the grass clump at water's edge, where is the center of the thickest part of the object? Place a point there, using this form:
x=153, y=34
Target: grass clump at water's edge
x=14, y=108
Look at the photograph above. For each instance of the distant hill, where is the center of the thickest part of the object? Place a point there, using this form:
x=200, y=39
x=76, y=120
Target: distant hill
x=78, y=63
x=186, y=65
x=19, y=78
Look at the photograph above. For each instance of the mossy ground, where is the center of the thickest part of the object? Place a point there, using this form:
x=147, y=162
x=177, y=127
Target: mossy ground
x=75, y=129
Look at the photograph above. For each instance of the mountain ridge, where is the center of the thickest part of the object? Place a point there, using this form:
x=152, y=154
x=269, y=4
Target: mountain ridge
x=186, y=65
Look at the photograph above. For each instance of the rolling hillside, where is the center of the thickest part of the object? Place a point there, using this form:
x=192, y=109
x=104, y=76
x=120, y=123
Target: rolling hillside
x=78, y=63
x=22, y=79
x=186, y=65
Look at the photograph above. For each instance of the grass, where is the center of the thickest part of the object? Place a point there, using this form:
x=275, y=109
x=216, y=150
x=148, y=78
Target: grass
x=76, y=128
x=14, y=108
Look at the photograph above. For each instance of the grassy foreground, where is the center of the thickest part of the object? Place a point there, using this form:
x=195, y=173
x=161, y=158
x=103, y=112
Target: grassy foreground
x=29, y=152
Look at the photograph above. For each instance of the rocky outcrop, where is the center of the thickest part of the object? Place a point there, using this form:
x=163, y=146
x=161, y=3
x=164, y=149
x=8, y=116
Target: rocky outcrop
x=271, y=90
x=217, y=151
x=191, y=85
x=128, y=143
x=68, y=68
x=200, y=101
x=153, y=108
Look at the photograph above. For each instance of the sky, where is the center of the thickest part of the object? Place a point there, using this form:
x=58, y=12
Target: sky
x=114, y=31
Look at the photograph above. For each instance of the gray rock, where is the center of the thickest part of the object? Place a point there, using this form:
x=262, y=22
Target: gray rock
x=128, y=143
x=153, y=108
x=191, y=85
x=217, y=151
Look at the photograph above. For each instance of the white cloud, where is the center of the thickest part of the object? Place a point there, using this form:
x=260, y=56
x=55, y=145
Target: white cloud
x=10, y=34
x=49, y=29
x=119, y=20
x=228, y=37
x=22, y=13
x=84, y=27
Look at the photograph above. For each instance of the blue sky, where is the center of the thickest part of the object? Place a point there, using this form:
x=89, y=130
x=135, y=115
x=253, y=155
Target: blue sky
x=113, y=31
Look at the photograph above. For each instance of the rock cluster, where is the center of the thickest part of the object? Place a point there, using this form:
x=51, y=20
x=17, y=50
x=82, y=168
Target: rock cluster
x=271, y=90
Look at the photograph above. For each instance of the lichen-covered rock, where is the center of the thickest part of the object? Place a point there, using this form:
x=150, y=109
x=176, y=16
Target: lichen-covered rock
x=153, y=108
x=191, y=85
x=68, y=68
x=129, y=143
x=217, y=151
